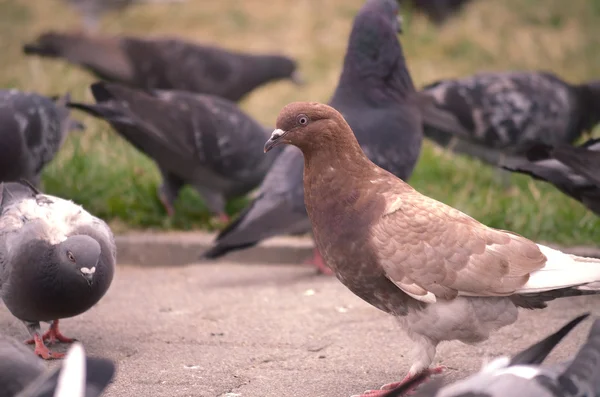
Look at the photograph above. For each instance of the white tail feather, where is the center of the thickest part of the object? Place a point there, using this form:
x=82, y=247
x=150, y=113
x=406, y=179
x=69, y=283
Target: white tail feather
x=561, y=271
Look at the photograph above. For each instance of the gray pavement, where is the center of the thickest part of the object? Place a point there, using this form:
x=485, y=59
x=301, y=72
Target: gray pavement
x=267, y=330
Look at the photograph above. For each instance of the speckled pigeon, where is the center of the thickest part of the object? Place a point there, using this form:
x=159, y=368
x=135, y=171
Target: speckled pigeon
x=205, y=141
x=441, y=273
x=506, y=112
x=56, y=260
x=32, y=130
x=575, y=171
x=167, y=63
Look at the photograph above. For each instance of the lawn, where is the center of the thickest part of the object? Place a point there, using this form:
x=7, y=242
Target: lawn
x=112, y=180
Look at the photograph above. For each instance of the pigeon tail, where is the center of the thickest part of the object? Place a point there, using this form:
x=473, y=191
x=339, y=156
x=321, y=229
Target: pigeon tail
x=563, y=271
x=100, y=111
x=585, y=367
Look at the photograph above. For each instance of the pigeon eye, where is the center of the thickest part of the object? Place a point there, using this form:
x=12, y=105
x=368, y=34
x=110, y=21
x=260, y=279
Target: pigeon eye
x=302, y=119
x=70, y=256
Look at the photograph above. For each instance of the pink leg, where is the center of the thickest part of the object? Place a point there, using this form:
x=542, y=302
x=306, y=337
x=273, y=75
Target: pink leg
x=385, y=389
x=168, y=207
x=319, y=263
x=53, y=335
x=223, y=218
x=42, y=351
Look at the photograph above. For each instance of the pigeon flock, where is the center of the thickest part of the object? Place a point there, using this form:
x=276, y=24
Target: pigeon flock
x=339, y=171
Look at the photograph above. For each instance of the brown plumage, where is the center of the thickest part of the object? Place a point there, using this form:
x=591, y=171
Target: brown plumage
x=445, y=275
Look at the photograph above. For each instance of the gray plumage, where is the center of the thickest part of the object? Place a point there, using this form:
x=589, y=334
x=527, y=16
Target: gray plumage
x=56, y=259
x=204, y=141
x=32, y=130
x=18, y=366
x=376, y=95
x=525, y=376
x=22, y=374
x=505, y=112
x=167, y=63
x=575, y=171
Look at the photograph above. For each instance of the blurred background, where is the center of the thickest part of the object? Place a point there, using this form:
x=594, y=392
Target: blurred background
x=101, y=171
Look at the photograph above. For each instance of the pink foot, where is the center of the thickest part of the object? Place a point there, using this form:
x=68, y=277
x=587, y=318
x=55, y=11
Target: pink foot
x=319, y=263
x=53, y=335
x=223, y=218
x=42, y=351
x=388, y=388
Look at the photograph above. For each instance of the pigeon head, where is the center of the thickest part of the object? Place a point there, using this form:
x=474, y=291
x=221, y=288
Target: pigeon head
x=312, y=126
x=282, y=67
x=49, y=44
x=374, y=66
x=80, y=253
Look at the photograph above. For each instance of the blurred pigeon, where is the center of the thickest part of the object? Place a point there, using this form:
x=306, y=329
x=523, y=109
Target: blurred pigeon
x=18, y=366
x=167, y=63
x=201, y=140
x=523, y=374
x=438, y=11
x=376, y=95
x=505, y=112
x=444, y=275
x=32, y=130
x=56, y=260
x=78, y=376
x=91, y=10
x=575, y=171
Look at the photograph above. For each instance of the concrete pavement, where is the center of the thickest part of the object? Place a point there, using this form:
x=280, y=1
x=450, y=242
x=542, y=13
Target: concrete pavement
x=267, y=330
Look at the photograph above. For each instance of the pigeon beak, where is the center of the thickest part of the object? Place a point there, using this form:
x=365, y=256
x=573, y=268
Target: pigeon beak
x=89, y=278
x=275, y=139
x=88, y=274
x=400, y=21
x=297, y=78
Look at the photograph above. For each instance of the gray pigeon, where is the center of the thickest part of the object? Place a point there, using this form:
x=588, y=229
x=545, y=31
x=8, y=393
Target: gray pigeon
x=201, y=140
x=32, y=130
x=524, y=376
x=56, y=260
x=575, y=171
x=18, y=366
x=376, y=95
x=506, y=112
x=22, y=374
x=441, y=273
x=91, y=10
x=167, y=63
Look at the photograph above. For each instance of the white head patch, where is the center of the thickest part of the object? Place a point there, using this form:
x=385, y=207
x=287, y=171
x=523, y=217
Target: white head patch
x=85, y=270
x=277, y=134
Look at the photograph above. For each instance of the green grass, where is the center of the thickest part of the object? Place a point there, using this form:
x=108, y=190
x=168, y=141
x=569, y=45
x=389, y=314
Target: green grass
x=111, y=179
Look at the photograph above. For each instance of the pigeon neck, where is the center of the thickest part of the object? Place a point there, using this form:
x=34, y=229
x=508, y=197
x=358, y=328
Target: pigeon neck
x=374, y=67
x=267, y=68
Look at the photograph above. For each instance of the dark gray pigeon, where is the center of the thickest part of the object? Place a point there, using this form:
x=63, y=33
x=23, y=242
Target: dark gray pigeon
x=376, y=95
x=506, y=112
x=32, y=130
x=18, y=366
x=78, y=376
x=442, y=274
x=201, y=140
x=167, y=63
x=575, y=171
x=524, y=375
x=92, y=10
x=56, y=260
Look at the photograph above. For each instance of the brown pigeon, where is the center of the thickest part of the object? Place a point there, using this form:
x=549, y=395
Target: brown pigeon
x=444, y=275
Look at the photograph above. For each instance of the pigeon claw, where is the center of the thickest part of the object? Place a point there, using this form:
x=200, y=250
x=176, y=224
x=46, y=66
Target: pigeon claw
x=318, y=262
x=53, y=335
x=42, y=351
